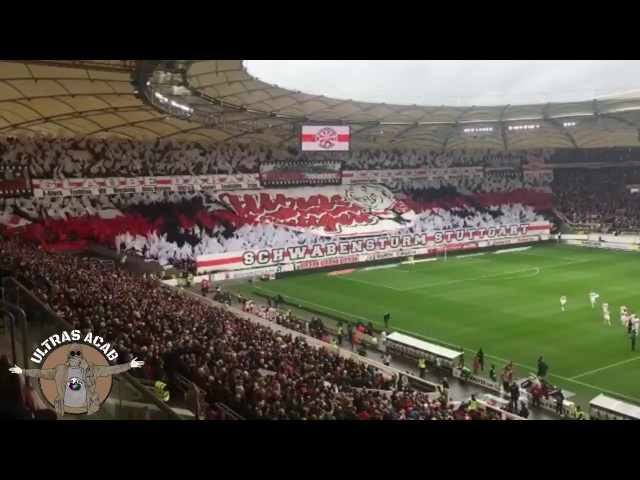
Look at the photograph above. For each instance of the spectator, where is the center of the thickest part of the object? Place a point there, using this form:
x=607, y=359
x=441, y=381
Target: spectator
x=257, y=372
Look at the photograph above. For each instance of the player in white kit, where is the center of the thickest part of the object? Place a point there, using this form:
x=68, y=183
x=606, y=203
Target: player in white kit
x=605, y=314
x=563, y=302
x=625, y=319
x=623, y=316
x=593, y=296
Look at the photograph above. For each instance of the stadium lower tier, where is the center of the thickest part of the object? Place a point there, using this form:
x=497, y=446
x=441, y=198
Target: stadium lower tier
x=256, y=371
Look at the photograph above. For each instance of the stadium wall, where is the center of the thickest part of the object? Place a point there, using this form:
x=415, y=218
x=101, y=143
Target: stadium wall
x=609, y=242
x=45, y=187
x=358, y=250
x=549, y=405
x=117, y=185
x=367, y=261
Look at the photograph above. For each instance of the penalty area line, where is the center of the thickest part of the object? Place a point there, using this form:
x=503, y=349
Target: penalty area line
x=628, y=360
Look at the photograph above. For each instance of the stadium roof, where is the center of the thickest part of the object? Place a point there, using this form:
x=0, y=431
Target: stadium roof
x=219, y=100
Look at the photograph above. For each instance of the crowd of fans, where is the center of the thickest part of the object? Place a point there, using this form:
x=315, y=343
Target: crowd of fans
x=593, y=155
x=489, y=183
x=81, y=157
x=257, y=372
x=174, y=227
x=599, y=198
x=285, y=320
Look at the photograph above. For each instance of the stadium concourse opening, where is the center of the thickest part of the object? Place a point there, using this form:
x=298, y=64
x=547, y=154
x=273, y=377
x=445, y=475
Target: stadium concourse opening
x=388, y=261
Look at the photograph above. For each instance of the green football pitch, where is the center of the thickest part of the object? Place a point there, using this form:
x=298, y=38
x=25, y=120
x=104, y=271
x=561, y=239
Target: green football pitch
x=506, y=303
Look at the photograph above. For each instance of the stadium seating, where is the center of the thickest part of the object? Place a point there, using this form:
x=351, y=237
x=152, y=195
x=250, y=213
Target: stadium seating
x=591, y=155
x=207, y=223
x=257, y=372
x=111, y=157
x=224, y=354
x=209, y=345
x=599, y=199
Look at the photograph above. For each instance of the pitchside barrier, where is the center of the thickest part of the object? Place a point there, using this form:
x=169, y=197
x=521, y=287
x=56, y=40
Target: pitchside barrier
x=628, y=243
x=550, y=405
x=330, y=265
x=403, y=378
x=343, y=251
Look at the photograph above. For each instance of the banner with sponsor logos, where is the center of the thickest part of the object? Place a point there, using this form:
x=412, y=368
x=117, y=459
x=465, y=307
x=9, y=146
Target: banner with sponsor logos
x=609, y=242
x=250, y=273
x=359, y=177
x=353, y=250
x=115, y=185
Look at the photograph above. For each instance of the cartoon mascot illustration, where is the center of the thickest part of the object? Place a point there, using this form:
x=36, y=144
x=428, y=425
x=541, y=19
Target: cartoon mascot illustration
x=76, y=380
x=379, y=202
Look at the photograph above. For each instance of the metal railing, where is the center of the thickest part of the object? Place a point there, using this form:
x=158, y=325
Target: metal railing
x=195, y=397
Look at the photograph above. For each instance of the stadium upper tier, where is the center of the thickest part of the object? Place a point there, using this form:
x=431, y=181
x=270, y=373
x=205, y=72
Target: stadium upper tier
x=78, y=157
x=219, y=100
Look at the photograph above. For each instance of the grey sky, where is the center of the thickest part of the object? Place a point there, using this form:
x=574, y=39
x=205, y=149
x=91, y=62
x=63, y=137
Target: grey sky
x=453, y=82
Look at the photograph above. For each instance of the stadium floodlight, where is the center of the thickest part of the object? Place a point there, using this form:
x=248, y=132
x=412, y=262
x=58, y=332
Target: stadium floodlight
x=478, y=130
x=523, y=127
x=569, y=124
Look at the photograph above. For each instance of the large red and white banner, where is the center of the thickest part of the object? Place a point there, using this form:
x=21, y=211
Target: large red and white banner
x=115, y=185
x=363, y=177
x=325, y=138
x=353, y=250
x=345, y=210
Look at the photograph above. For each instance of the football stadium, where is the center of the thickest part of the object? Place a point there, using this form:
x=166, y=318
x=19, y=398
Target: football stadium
x=190, y=240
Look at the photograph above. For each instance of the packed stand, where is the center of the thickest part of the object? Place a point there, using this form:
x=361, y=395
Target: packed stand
x=599, y=199
x=172, y=228
x=257, y=372
x=593, y=155
x=82, y=157
x=489, y=183
x=286, y=320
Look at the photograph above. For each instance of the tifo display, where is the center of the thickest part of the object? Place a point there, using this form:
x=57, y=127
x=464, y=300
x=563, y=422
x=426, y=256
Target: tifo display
x=461, y=246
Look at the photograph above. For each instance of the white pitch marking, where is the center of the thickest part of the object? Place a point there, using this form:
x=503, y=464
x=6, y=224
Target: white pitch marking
x=566, y=379
x=481, y=277
x=605, y=368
